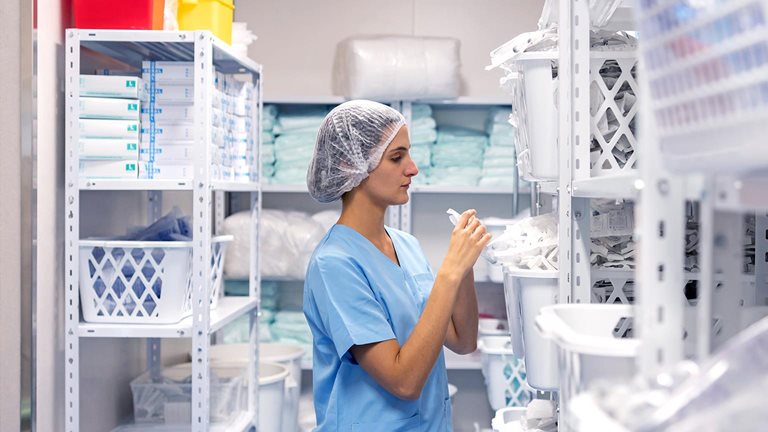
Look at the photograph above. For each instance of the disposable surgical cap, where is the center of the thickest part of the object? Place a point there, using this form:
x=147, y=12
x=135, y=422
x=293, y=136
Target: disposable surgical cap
x=350, y=144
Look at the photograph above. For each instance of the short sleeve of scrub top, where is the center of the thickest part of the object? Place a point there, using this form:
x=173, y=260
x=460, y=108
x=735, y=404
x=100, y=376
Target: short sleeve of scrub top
x=355, y=295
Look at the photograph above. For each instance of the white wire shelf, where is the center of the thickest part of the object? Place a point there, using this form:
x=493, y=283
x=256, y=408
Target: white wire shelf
x=134, y=46
x=179, y=184
x=618, y=186
x=229, y=309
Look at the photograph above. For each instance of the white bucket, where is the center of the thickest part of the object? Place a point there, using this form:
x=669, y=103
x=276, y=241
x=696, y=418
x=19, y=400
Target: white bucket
x=288, y=355
x=589, y=350
x=272, y=392
x=526, y=292
x=503, y=372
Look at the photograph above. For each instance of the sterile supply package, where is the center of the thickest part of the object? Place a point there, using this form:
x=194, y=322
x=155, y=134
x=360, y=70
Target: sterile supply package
x=114, y=86
x=167, y=171
x=170, y=132
x=163, y=152
x=109, y=108
x=170, y=92
x=528, y=244
x=167, y=71
x=110, y=169
x=397, y=68
x=97, y=128
x=168, y=114
x=109, y=148
x=288, y=239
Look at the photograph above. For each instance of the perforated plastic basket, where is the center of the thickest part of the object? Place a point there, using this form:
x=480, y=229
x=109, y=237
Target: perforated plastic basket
x=707, y=66
x=142, y=282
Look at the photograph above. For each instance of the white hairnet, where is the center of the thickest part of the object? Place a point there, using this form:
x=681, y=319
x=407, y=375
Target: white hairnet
x=350, y=144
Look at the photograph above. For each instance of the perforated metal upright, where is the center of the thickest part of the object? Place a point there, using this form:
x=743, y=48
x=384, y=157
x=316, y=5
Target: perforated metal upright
x=209, y=209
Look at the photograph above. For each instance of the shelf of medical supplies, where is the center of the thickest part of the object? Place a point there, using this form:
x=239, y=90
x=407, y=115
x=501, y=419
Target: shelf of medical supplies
x=134, y=184
x=469, y=100
x=305, y=100
x=134, y=46
x=615, y=186
x=234, y=186
x=229, y=309
x=283, y=188
x=438, y=189
x=243, y=423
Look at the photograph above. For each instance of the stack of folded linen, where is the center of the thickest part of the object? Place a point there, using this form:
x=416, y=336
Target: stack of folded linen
x=423, y=136
x=500, y=161
x=457, y=157
x=296, y=132
x=268, y=142
x=292, y=327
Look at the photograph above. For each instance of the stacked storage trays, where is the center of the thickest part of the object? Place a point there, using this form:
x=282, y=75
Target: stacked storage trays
x=109, y=126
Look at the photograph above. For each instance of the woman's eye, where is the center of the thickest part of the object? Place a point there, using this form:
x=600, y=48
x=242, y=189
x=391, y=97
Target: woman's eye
x=396, y=158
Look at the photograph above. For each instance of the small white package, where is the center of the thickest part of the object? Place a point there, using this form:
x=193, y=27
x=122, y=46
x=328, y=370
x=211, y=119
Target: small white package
x=109, y=148
x=98, y=128
x=397, y=68
x=169, y=92
x=165, y=113
x=167, y=171
x=166, y=131
x=167, y=71
x=165, y=152
x=112, y=169
x=114, y=86
x=109, y=108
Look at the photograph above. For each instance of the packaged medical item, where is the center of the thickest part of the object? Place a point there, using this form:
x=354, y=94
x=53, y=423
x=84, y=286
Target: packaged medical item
x=114, y=86
x=165, y=113
x=397, y=68
x=98, y=128
x=169, y=92
x=167, y=71
x=166, y=171
x=109, y=108
x=163, y=152
x=109, y=148
x=115, y=169
x=166, y=131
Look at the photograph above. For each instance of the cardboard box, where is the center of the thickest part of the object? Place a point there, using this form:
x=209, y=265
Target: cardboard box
x=164, y=152
x=112, y=169
x=97, y=128
x=109, y=148
x=109, y=108
x=114, y=86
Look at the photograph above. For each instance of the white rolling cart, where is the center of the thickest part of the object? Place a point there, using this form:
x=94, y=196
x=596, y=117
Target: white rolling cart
x=208, y=203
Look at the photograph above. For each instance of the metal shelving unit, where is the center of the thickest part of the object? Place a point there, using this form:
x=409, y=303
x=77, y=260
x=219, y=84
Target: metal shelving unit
x=206, y=52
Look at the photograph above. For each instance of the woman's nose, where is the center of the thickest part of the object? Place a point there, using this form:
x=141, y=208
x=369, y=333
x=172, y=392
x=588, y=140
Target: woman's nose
x=411, y=170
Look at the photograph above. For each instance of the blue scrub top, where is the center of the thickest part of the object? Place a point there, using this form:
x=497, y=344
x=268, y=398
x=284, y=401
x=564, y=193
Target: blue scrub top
x=356, y=295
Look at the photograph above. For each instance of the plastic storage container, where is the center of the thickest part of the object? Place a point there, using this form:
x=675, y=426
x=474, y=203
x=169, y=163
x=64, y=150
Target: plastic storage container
x=504, y=373
x=272, y=394
x=526, y=292
x=125, y=14
x=707, y=65
x=286, y=354
x=508, y=419
x=213, y=15
x=165, y=396
x=589, y=337
x=142, y=282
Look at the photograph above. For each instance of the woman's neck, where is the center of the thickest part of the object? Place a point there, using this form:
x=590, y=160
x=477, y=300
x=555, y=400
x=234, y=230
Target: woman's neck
x=364, y=216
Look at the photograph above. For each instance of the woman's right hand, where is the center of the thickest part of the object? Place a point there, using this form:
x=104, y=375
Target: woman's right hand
x=468, y=239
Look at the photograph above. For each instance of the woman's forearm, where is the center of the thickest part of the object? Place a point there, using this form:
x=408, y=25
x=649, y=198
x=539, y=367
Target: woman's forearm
x=461, y=336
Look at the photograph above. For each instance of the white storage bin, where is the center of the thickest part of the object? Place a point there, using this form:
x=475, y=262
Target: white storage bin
x=591, y=347
x=504, y=373
x=272, y=378
x=707, y=64
x=526, y=292
x=492, y=327
x=286, y=354
x=142, y=282
x=165, y=396
x=535, y=113
x=508, y=419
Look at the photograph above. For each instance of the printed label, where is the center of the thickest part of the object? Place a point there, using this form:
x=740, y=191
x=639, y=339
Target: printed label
x=133, y=107
x=132, y=146
x=130, y=84
x=130, y=167
x=133, y=128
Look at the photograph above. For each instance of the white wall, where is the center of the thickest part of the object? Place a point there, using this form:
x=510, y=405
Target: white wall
x=297, y=39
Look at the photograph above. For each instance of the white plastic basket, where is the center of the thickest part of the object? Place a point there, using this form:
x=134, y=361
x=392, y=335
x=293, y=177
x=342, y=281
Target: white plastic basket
x=707, y=65
x=508, y=419
x=165, y=396
x=526, y=292
x=504, y=373
x=142, y=282
x=591, y=346
x=535, y=114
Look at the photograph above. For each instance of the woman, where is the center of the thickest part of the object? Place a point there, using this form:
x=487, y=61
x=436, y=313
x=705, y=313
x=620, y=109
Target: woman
x=379, y=316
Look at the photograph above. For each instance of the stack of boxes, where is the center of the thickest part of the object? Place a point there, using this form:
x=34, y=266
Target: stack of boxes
x=109, y=126
x=237, y=161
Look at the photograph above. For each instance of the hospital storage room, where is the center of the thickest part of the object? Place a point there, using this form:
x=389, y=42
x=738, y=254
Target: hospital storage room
x=415, y=215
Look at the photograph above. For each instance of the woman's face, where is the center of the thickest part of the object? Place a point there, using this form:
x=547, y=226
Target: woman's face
x=388, y=184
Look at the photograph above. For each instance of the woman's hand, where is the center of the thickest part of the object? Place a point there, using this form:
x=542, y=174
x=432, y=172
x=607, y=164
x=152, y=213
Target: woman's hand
x=468, y=239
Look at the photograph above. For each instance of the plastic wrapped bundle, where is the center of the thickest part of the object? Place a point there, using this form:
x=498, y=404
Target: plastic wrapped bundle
x=397, y=68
